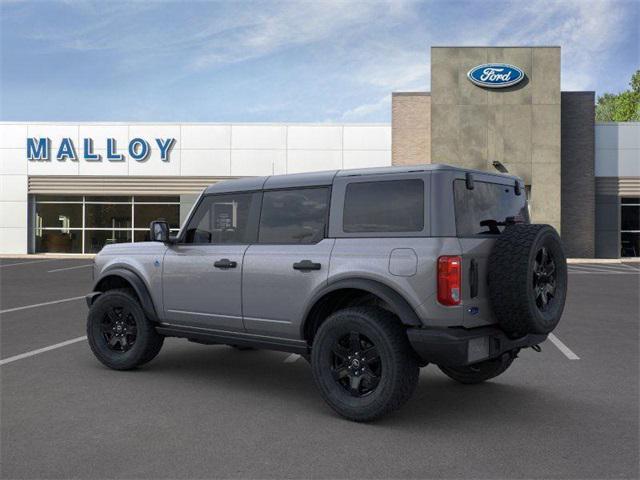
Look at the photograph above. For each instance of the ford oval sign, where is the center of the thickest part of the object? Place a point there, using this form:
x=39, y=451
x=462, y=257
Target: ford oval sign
x=495, y=75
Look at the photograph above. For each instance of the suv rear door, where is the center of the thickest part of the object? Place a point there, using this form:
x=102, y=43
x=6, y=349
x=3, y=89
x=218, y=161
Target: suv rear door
x=289, y=262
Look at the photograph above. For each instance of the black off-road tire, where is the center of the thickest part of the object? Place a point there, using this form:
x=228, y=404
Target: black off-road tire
x=147, y=342
x=479, y=372
x=396, y=363
x=514, y=274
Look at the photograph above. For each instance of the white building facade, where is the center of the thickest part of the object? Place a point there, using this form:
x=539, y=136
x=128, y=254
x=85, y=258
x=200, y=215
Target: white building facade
x=72, y=188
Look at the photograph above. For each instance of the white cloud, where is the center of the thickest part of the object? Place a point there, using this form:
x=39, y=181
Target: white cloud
x=586, y=30
x=367, y=109
x=294, y=24
x=352, y=54
x=389, y=67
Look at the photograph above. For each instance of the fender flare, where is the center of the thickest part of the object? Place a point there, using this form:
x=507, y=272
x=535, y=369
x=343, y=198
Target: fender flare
x=397, y=302
x=136, y=283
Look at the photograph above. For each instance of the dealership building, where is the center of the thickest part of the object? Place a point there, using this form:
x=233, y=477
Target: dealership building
x=74, y=187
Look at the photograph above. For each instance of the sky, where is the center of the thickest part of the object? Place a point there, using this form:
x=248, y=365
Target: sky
x=267, y=61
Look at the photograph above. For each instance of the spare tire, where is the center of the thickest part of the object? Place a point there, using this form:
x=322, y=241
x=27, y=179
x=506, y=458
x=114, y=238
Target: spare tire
x=527, y=279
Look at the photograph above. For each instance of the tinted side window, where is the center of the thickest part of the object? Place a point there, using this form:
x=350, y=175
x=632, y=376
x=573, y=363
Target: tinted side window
x=228, y=218
x=385, y=206
x=483, y=210
x=294, y=216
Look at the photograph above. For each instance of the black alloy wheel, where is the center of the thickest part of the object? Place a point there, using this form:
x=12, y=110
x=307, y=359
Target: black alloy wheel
x=362, y=362
x=544, y=278
x=119, y=329
x=119, y=333
x=355, y=364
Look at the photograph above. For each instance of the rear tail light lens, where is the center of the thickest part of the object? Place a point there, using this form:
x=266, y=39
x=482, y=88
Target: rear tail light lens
x=449, y=280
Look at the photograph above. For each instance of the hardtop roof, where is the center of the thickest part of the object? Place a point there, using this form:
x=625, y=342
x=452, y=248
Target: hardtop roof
x=322, y=178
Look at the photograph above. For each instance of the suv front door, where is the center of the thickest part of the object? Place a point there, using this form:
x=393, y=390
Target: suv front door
x=289, y=262
x=202, y=273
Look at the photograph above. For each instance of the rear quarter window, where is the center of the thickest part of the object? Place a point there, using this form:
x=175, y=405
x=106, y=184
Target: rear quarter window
x=485, y=209
x=384, y=206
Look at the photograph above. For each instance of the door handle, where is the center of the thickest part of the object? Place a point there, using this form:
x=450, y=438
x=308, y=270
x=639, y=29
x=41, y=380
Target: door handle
x=306, y=265
x=225, y=263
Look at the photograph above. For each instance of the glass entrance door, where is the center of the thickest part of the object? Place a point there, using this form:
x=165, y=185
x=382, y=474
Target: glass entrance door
x=630, y=227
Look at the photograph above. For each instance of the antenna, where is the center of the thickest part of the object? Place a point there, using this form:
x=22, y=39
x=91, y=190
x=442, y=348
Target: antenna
x=500, y=167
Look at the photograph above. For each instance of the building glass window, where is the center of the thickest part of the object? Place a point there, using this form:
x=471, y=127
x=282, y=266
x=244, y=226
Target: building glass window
x=630, y=227
x=58, y=241
x=84, y=224
x=94, y=240
x=64, y=216
x=146, y=213
x=105, y=215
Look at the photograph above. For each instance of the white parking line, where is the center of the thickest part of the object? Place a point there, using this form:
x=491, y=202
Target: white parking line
x=615, y=268
x=70, y=268
x=4, y=361
x=563, y=348
x=35, y=305
x=599, y=272
x=27, y=263
x=292, y=358
x=603, y=269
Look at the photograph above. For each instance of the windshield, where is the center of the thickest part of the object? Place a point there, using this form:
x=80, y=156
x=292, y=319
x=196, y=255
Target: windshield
x=487, y=208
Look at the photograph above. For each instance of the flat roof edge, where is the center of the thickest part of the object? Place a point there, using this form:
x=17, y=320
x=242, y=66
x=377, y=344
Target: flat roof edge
x=495, y=46
x=178, y=123
x=411, y=94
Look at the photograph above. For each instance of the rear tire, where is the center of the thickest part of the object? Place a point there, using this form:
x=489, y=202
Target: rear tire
x=479, y=372
x=363, y=364
x=119, y=333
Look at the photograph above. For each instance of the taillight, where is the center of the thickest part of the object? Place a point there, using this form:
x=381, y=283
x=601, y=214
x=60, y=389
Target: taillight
x=449, y=280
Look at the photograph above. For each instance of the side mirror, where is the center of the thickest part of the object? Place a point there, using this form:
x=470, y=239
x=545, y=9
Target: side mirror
x=159, y=231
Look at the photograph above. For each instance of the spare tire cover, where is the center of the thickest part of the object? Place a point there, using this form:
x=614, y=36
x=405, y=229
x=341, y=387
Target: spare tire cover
x=527, y=279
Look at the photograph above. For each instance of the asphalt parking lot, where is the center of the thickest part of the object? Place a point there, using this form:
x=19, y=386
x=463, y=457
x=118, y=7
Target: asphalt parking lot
x=198, y=411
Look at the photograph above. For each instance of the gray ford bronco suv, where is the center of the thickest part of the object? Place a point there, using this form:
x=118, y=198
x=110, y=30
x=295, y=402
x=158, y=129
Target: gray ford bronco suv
x=369, y=274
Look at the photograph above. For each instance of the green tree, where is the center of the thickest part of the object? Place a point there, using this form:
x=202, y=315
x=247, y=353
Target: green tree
x=621, y=107
x=635, y=81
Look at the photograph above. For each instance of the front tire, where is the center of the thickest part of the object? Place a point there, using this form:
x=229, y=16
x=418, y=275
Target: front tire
x=119, y=333
x=479, y=372
x=363, y=364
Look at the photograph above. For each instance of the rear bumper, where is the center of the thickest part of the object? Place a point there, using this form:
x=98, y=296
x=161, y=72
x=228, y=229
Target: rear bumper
x=456, y=347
